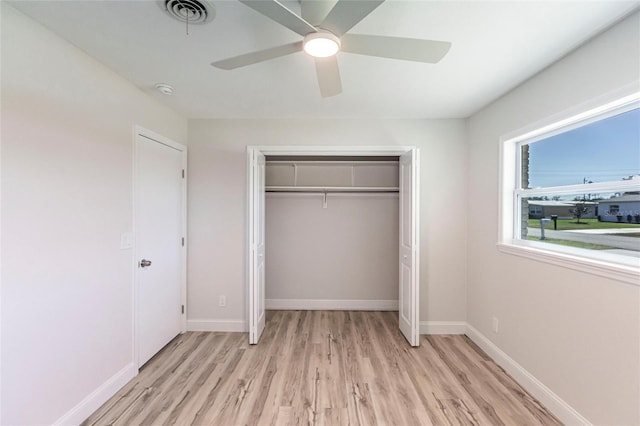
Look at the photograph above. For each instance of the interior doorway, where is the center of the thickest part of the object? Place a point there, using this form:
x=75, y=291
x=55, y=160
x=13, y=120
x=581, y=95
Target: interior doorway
x=160, y=225
x=408, y=255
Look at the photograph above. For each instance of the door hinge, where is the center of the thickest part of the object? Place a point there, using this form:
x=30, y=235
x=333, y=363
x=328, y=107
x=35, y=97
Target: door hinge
x=182, y=241
x=182, y=173
x=182, y=309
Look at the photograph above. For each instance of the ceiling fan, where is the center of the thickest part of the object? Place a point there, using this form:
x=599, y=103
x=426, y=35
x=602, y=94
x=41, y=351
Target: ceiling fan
x=323, y=25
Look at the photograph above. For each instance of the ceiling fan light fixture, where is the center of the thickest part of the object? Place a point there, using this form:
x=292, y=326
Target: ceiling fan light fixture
x=321, y=44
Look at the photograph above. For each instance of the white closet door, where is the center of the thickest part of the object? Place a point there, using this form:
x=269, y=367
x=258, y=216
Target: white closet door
x=409, y=266
x=257, y=252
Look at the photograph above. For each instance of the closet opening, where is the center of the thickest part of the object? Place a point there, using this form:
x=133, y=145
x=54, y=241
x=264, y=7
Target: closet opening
x=332, y=231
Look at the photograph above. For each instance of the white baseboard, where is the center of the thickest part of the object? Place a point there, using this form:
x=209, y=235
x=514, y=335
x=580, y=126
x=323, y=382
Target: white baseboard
x=95, y=399
x=443, y=327
x=332, y=305
x=562, y=410
x=240, y=326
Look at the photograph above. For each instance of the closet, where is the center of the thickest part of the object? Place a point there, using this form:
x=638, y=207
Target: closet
x=331, y=233
x=333, y=229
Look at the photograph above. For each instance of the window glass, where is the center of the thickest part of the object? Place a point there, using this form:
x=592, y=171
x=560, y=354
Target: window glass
x=605, y=150
x=580, y=188
x=575, y=221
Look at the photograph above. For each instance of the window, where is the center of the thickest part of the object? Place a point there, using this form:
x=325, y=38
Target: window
x=571, y=190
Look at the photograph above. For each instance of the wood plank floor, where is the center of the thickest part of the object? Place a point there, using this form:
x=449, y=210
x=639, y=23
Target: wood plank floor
x=322, y=368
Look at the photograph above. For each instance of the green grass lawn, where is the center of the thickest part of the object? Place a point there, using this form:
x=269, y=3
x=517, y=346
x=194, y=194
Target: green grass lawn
x=589, y=246
x=569, y=224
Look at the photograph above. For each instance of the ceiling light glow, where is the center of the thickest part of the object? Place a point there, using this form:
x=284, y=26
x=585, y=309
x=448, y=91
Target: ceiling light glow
x=321, y=44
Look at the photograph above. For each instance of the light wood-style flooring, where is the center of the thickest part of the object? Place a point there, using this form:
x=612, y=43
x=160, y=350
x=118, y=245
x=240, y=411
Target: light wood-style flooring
x=322, y=368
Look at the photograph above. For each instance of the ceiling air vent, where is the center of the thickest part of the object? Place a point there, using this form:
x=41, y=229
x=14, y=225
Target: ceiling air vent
x=190, y=11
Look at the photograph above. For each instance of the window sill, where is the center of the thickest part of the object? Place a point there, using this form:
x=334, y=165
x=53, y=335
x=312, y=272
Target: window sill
x=623, y=270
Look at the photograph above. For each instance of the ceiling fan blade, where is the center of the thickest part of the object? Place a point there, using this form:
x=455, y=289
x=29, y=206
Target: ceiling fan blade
x=408, y=49
x=315, y=11
x=328, y=76
x=259, y=56
x=281, y=14
x=347, y=13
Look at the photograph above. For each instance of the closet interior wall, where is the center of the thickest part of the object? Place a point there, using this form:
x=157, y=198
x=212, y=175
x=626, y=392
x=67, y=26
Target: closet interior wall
x=332, y=233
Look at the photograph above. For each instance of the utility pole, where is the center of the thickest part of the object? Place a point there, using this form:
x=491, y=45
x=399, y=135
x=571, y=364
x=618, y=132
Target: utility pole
x=585, y=181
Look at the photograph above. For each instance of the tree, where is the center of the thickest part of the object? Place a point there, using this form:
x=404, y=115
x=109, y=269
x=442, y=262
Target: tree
x=579, y=210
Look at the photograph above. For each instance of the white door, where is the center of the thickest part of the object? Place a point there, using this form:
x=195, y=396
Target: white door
x=159, y=244
x=409, y=283
x=256, y=241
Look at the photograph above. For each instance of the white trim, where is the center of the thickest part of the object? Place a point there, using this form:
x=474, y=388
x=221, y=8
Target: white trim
x=248, y=245
x=139, y=130
x=228, y=325
x=443, y=327
x=183, y=275
x=628, y=274
x=322, y=150
x=95, y=399
x=415, y=207
x=331, y=305
x=530, y=383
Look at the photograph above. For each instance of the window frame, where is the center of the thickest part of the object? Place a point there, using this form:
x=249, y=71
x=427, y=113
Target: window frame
x=621, y=268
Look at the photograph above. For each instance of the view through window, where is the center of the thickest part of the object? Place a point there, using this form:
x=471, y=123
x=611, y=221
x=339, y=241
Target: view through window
x=581, y=187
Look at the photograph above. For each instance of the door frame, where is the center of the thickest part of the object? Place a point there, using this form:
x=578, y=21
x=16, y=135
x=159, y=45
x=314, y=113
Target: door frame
x=366, y=150
x=141, y=131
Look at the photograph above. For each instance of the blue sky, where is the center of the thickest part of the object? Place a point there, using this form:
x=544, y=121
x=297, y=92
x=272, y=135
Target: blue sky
x=602, y=151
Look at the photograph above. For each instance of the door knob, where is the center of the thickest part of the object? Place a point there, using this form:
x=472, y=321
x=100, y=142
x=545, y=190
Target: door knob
x=144, y=263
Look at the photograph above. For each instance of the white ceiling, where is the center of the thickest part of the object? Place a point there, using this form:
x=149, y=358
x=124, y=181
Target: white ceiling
x=496, y=46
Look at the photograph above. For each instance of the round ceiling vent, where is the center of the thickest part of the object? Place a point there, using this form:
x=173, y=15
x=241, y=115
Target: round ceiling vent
x=191, y=11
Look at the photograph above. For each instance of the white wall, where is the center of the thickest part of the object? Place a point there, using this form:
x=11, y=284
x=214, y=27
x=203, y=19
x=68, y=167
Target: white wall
x=67, y=146
x=346, y=251
x=579, y=334
x=217, y=206
x=66, y=198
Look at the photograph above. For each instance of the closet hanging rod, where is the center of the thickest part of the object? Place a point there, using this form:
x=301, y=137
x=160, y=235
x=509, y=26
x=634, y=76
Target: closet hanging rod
x=321, y=189
x=332, y=162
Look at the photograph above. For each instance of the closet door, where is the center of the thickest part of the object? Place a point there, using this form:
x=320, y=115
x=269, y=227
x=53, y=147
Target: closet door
x=256, y=238
x=409, y=266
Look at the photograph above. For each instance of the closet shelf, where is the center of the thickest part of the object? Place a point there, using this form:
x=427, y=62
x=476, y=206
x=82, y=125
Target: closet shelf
x=323, y=189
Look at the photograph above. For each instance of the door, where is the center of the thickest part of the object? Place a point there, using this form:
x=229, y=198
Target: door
x=159, y=219
x=257, y=249
x=409, y=265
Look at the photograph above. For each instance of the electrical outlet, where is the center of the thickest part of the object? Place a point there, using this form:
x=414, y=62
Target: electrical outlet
x=222, y=301
x=495, y=325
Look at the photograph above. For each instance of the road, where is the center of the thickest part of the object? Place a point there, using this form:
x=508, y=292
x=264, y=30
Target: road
x=617, y=241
